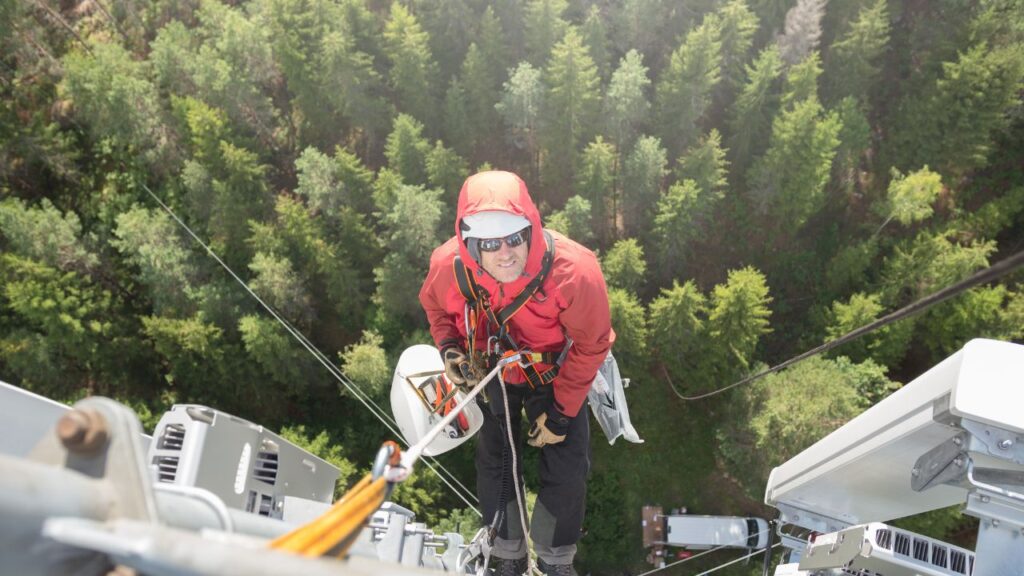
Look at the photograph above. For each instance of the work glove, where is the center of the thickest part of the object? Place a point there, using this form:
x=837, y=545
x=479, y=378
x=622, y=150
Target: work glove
x=549, y=428
x=457, y=368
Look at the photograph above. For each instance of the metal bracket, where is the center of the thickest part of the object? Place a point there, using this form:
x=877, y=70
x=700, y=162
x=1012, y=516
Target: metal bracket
x=944, y=464
x=997, y=442
x=790, y=514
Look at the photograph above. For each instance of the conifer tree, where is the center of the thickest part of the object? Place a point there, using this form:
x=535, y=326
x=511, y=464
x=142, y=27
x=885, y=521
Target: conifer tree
x=624, y=265
x=630, y=323
x=788, y=182
x=456, y=127
x=446, y=170
x=574, y=220
x=801, y=81
x=626, y=104
x=706, y=165
x=684, y=91
x=952, y=126
x=595, y=37
x=449, y=25
x=853, y=65
x=755, y=107
x=643, y=174
x=738, y=25
x=596, y=180
x=413, y=69
x=677, y=326
x=545, y=27
x=411, y=234
x=571, y=107
x=737, y=319
x=407, y=149
x=521, y=105
x=480, y=81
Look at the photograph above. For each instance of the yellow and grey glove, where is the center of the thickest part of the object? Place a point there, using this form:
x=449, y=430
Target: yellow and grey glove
x=548, y=429
x=457, y=368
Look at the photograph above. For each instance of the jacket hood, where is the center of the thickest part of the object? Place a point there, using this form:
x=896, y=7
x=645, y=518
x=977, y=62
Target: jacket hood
x=505, y=191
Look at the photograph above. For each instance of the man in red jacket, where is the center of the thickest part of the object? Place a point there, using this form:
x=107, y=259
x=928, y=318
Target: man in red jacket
x=501, y=284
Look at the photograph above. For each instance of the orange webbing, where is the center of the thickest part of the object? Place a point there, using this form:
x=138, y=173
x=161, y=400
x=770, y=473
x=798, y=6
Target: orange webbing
x=339, y=525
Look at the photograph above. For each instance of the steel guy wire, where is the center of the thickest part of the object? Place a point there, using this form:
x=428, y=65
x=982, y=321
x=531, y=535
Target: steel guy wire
x=989, y=274
x=710, y=550
x=336, y=372
x=731, y=562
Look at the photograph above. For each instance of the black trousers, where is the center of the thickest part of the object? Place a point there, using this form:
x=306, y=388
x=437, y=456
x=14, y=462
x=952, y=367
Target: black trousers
x=561, y=502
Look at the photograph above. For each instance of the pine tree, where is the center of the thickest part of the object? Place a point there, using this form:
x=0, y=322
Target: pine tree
x=706, y=165
x=411, y=234
x=412, y=66
x=755, y=107
x=480, y=81
x=626, y=104
x=624, y=265
x=544, y=28
x=116, y=102
x=952, y=127
x=853, y=64
x=886, y=346
x=596, y=180
x=675, y=226
x=630, y=323
x=677, y=326
x=446, y=170
x=684, y=91
x=574, y=220
x=737, y=319
x=777, y=417
x=522, y=101
x=407, y=149
x=571, y=108
x=738, y=25
x=595, y=37
x=456, y=118
x=275, y=281
x=788, y=182
x=801, y=81
x=910, y=197
x=449, y=24
x=643, y=174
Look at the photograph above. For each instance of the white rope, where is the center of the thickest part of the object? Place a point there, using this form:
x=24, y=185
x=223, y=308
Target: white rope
x=361, y=396
x=520, y=501
x=710, y=550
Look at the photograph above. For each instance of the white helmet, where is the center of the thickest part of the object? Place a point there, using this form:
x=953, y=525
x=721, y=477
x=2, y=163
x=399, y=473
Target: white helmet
x=492, y=224
x=421, y=395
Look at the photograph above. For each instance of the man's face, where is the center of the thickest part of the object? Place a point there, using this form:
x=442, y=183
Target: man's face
x=506, y=264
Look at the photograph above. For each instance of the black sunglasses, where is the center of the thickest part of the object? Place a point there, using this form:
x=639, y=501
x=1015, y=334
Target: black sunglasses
x=513, y=240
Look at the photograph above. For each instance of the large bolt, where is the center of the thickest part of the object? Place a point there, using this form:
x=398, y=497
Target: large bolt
x=1005, y=444
x=82, y=431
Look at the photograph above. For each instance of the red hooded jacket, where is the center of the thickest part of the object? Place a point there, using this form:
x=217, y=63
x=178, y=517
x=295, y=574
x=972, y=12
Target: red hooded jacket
x=572, y=301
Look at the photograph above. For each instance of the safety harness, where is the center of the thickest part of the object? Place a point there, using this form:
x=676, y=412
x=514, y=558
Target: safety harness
x=478, y=301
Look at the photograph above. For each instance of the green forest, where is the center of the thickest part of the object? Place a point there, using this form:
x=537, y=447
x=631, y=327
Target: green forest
x=757, y=177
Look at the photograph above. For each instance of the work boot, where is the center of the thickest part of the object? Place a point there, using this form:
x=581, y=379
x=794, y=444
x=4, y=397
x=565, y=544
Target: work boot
x=555, y=569
x=505, y=567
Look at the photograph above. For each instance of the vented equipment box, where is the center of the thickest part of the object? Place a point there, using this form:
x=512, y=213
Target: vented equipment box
x=247, y=466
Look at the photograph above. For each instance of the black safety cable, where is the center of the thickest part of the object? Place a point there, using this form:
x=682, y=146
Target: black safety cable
x=983, y=277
